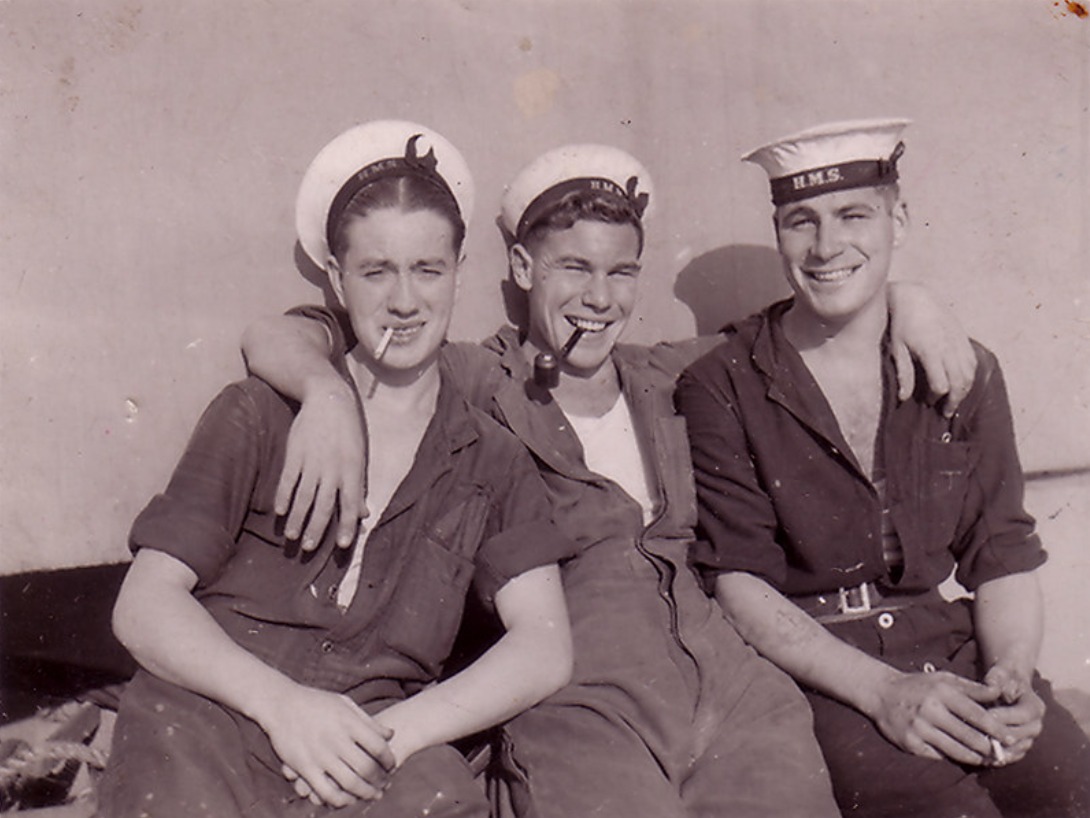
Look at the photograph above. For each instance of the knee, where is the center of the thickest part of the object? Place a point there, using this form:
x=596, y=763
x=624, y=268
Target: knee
x=434, y=783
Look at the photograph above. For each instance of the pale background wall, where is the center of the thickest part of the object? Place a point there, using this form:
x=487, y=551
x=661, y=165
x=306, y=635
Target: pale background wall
x=150, y=155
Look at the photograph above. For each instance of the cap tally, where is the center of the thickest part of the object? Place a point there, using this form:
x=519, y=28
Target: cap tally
x=831, y=157
x=555, y=174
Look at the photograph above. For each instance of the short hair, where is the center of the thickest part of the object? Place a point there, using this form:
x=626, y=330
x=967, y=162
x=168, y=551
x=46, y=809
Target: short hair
x=891, y=193
x=409, y=192
x=583, y=205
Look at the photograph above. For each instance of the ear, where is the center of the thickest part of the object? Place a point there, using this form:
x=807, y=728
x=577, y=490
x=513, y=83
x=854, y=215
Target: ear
x=776, y=229
x=336, y=278
x=522, y=266
x=899, y=213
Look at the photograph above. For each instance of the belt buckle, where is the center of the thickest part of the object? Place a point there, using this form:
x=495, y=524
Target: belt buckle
x=845, y=604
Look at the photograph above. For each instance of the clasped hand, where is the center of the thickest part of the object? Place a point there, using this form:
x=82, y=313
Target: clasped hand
x=942, y=715
x=332, y=751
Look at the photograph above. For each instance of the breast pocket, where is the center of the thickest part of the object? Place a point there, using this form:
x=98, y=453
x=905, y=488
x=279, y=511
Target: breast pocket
x=426, y=607
x=944, y=486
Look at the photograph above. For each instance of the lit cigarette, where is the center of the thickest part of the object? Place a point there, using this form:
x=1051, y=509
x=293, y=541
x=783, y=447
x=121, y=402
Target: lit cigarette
x=385, y=342
x=999, y=755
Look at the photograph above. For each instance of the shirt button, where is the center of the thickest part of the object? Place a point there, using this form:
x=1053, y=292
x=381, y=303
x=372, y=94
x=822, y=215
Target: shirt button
x=928, y=667
x=332, y=592
x=327, y=646
x=885, y=620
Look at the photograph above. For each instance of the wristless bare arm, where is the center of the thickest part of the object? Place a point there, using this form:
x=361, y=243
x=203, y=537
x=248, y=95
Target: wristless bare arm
x=337, y=748
x=930, y=714
x=532, y=660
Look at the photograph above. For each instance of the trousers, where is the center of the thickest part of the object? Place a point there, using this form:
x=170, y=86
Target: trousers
x=179, y=755
x=873, y=778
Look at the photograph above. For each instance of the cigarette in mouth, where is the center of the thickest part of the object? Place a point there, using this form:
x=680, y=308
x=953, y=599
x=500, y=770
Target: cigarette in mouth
x=387, y=336
x=572, y=341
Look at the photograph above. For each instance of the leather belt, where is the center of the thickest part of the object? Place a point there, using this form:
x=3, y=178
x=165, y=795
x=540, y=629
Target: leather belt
x=859, y=602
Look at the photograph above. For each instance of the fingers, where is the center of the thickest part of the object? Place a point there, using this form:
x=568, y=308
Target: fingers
x=917, y=746
x=960, y=382
x=351, y=498
x=951, y=720
x=325, y=788
x=1012, y=753
x=289, y=476
x=1009, y=685
x=375, y=745
x=906, y=371
x=304, y=497
x=353, y=782
x=937, y=380
x=320, y=513
x=955, y=747
x=1024, y=717
x=983, y=723
x=299, y=784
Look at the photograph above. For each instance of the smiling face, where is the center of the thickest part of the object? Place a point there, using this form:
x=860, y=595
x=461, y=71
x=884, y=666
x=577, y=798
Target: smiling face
x=585, y=277
x=837, y=249
x=397, y=271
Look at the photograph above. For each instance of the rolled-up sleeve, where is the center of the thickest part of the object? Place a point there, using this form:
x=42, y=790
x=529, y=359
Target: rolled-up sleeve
x=199, y=516
x=998, y=536
x=521, y=534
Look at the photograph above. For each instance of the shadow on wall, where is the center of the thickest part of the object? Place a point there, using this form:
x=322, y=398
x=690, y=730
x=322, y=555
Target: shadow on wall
x=315, y=275
x=728, y=283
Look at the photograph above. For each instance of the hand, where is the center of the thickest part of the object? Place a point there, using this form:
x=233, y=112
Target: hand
x=1008, y=684
x=326, y=457
x=332, y=751
x=921, y=328
x=1022, y=721
x=1022, y=716
x=301, y=787
x=939, y=715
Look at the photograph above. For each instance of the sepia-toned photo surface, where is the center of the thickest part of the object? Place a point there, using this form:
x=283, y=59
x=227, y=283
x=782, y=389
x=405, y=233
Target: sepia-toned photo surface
x=150, y=155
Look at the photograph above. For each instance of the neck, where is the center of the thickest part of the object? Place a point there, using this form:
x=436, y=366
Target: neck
x=409, y=391
x=858, y=334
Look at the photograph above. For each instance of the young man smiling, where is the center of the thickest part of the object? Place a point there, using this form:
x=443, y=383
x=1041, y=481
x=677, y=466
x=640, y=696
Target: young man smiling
x=830, y=513
x=668, y=712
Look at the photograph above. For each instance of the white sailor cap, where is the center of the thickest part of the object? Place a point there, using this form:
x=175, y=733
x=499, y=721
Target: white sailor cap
x=835, y=156
x=557, y=173
x=364, y=154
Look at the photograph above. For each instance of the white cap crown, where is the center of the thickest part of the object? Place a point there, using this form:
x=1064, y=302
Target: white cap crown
x=549, y=177
x=366, y=152
x=834, y=156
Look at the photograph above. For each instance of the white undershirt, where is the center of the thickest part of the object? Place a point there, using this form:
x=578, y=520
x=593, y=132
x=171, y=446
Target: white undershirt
x=379, y=495
x=612, y=450
x=351, y=579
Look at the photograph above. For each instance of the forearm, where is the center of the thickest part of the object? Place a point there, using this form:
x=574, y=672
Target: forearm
x=291, y=353
x=520, y=670
x=798, y=644
x=532, y=660
x=1009, y=620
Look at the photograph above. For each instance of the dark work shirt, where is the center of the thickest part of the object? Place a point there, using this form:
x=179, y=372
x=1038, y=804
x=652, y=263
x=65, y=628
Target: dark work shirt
x=472, y=511
x=781, y=495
